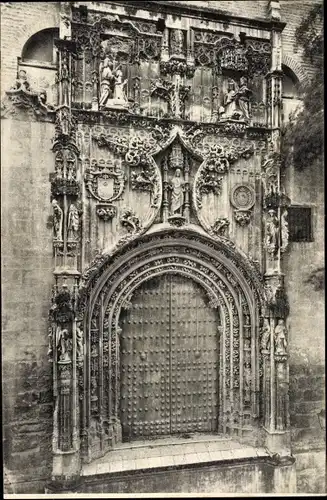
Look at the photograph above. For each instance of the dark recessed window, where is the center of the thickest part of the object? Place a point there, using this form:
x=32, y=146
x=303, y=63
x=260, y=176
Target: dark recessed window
x=40, y=47
x=300, y=224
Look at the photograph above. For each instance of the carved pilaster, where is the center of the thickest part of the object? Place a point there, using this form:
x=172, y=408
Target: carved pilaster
x=274, y=351
x=65, y=349
x=66, y=341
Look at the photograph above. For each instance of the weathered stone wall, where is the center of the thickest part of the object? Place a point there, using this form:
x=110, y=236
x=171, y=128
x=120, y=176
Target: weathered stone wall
x=306, y=330
x=26, y=291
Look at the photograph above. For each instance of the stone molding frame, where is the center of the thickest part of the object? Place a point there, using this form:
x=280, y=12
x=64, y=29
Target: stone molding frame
x=228, y=289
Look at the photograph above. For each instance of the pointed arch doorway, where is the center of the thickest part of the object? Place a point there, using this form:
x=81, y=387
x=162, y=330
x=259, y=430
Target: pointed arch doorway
x=169, y=360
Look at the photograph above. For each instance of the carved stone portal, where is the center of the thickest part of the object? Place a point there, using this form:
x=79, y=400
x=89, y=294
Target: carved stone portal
x=159, y=261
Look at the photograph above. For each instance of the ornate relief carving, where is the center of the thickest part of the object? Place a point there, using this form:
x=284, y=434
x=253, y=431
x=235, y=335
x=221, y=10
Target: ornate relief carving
x=64, y=179
x=105, y=181
x=231, y=55
x=22, y=96
x=174, y=94
x=259, y=56
x=112, y=85
x=129, y=220
x=236, y=101
x=217, y=161
x=243, y=196
x=220, y=227
x=106, y=212
x=137, y=152
x=243, y=199
x=177, y=67
x=242, y=217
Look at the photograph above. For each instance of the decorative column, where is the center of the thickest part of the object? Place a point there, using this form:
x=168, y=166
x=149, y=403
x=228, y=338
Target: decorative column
x=165, y=204
x=65, y=338
x=274, y=337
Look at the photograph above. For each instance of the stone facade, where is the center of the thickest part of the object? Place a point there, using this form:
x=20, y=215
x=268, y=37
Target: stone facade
x=51, y=189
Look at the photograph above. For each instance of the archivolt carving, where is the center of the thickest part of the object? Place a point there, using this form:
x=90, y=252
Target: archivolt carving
x=227, y=291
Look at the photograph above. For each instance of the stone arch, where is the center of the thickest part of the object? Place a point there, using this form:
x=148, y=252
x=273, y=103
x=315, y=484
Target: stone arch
x=231, y=289
x=295, y=67
x=36, y=44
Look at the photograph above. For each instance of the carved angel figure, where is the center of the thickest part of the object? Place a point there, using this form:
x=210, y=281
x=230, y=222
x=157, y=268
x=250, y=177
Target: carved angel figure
x=73, y=222
x=57, y=220
x=280, y=337
x=177, y=192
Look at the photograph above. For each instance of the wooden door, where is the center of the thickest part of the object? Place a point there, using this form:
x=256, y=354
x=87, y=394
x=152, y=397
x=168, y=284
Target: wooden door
x=169, y=360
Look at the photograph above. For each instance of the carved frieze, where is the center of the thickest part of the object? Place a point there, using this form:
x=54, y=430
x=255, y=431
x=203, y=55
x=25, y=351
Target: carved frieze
x=177, y=67
x=231, y=55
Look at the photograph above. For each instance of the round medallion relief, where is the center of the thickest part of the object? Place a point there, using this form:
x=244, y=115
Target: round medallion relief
x=243, y=197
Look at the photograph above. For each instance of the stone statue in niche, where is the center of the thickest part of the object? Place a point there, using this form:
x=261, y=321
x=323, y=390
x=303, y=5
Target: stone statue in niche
x=57, y=220
x=177, y=193
x=244, y=94
x=107, y=81
x=229, y=108
x=236, y=101
x=247, y=381
x=272, y=232
x=265, y=338
x=63, y=343
x=64, y=77
x=112, y=85
x=119, y=86
x=73, y=223
x=79, y=343
x=280, y=337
